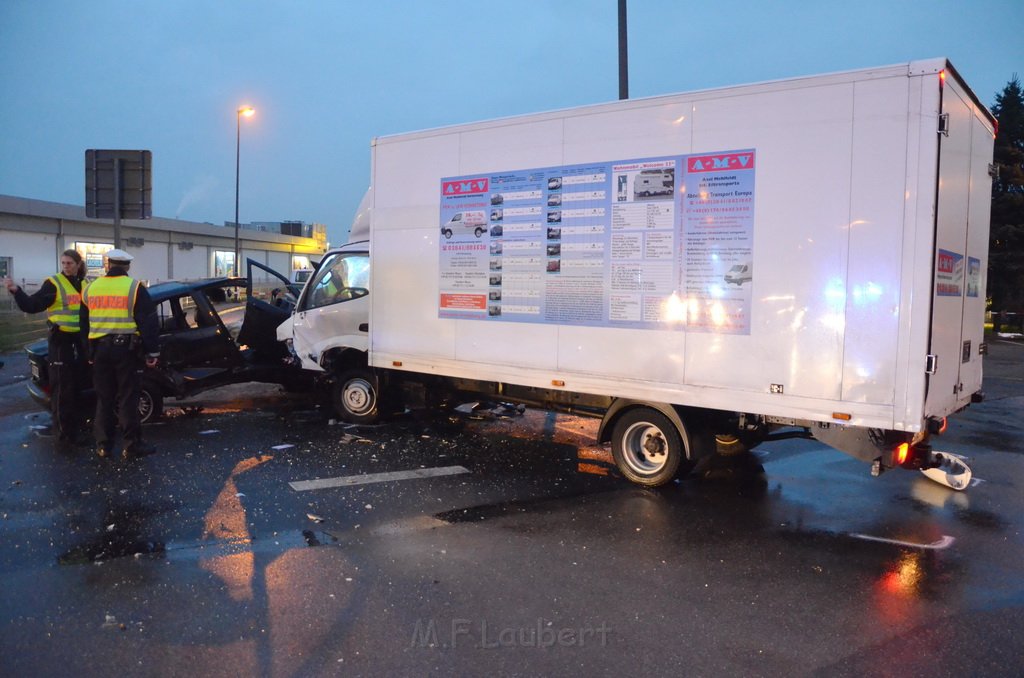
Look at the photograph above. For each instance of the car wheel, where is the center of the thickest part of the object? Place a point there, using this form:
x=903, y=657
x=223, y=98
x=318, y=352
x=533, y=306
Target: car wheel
x=151, y=402
x=355, y=396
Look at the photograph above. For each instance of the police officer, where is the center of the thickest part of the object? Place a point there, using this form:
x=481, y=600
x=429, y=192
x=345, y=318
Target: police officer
x=122, y=326
x=60, y=297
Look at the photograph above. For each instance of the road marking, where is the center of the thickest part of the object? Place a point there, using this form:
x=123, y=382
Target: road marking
x=938, y=545
x=369, y=478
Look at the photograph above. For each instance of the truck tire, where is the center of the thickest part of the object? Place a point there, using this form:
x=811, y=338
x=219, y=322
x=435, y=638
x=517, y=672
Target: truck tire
x=356, y=396
x=647, y=447
x=478, y=231
x=151, y=402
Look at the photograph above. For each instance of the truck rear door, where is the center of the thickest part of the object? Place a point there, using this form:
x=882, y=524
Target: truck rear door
x=961, y=252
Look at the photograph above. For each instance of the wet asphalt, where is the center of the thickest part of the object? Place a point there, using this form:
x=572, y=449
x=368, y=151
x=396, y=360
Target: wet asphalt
x=534, y=559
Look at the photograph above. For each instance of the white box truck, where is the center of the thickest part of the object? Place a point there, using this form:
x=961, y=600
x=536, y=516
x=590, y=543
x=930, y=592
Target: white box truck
x=861, y=200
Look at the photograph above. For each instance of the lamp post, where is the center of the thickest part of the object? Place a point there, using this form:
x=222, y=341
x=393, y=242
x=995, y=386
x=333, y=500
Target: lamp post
x=247, y=111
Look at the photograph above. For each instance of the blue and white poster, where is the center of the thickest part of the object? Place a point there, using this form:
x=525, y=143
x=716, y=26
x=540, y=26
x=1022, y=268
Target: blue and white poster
x=651, y=243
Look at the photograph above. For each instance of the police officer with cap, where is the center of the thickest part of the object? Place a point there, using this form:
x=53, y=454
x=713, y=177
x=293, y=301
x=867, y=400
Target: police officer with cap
x=120, y=318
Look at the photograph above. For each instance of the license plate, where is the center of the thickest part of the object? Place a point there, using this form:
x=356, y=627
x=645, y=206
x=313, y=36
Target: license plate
x=35, y=372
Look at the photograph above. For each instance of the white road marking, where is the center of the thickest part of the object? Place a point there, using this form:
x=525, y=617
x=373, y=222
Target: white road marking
x=938, y=545
x=369, y=478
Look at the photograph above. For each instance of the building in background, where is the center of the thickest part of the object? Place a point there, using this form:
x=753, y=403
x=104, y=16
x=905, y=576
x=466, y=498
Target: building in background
x=33, y=233
x=317, y=232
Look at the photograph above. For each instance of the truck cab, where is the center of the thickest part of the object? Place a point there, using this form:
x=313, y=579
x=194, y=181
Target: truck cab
x=328, y=333
x=333, y=309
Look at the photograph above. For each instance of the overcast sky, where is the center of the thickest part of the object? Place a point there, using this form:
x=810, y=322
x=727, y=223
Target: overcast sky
x=328, y=76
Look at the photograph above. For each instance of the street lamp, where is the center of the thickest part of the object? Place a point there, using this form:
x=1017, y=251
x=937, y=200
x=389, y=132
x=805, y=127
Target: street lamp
x=248, y=112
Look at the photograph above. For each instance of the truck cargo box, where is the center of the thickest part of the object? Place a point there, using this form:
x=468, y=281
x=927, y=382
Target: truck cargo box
x=808, y=252
x=860, y=200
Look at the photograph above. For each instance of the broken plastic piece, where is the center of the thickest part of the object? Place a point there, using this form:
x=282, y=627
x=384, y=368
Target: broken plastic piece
x=952, y=470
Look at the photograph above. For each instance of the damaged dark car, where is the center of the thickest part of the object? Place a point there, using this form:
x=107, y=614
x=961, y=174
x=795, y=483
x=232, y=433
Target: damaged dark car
x=202, y=343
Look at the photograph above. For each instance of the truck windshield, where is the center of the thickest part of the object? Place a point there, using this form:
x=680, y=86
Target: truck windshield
x=341, y=277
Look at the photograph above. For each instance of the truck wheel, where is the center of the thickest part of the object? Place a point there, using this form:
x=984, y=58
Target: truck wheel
x=355, y=396
x=447, y=233
x=478, y=232
x=151, y=402
x=647, y=447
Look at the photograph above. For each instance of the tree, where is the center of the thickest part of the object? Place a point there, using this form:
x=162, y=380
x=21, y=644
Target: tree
x=1006, y=239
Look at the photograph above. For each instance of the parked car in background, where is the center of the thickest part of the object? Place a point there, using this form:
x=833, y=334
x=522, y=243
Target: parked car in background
x=301, y=275
x=207, y=340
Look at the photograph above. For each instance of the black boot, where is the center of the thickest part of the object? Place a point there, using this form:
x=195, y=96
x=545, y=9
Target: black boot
x=136, y=450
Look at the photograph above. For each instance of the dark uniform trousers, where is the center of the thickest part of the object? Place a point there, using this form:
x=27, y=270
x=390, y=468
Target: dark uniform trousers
x=65, y=354
x=117, y=371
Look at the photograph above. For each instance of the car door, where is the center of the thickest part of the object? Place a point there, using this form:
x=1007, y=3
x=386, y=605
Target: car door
x=198, y=337
x=263, y=313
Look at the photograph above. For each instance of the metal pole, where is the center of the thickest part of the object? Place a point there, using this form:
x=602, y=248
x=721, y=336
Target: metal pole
x=238, y=155
x=623, y=53
x=117, y=203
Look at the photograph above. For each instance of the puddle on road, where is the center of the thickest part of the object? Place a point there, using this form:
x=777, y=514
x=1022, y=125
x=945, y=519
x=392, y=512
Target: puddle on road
x=474, y=514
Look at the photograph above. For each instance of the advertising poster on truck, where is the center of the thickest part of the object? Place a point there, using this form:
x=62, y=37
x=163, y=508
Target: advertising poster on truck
x=650, y=243
x=949, y=274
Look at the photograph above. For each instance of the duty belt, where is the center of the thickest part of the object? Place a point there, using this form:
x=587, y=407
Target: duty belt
x=116, y=339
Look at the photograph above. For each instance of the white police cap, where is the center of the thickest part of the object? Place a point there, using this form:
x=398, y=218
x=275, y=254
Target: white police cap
x=119, y=256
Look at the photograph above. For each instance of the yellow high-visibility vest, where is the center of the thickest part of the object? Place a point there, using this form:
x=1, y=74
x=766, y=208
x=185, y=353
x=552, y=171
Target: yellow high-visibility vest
x=67, y=303
x=110, y=301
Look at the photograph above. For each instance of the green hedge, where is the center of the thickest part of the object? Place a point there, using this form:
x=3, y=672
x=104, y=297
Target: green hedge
x=18, y=329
